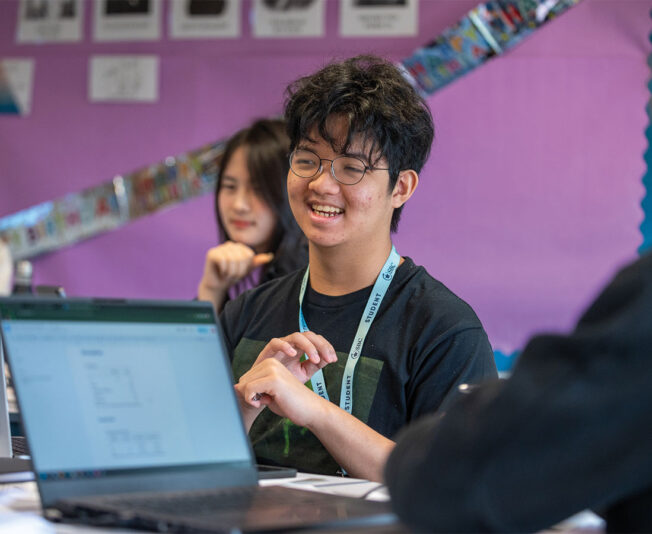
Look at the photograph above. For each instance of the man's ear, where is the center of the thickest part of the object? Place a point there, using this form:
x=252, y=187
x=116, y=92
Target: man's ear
x=405, y=185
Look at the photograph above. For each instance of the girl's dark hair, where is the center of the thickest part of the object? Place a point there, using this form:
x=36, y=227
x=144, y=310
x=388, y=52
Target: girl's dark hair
x=380, y=106
x=267, y=146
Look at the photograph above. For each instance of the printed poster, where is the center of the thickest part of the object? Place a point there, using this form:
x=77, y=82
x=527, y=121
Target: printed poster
x=123, y=78
x=16, y=86
x=43, y=21
x=383, y=18
x=127, y=20
x=204, y=19
x=289, y=18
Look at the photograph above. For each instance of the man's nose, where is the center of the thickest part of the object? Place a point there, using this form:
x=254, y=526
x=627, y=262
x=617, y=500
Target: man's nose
x=324, y=180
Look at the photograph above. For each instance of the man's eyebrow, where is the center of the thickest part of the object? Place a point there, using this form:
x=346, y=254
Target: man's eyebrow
x=359, y=155
x=308, y=140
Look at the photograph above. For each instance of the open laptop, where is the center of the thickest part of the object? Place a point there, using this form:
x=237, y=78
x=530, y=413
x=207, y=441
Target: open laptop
x=132, y=420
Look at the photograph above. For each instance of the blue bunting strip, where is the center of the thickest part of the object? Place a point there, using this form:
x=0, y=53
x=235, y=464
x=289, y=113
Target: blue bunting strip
x=486, y=31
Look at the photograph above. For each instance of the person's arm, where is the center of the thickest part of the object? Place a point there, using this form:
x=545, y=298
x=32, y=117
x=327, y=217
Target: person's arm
x=357, y=448
x=224, y=266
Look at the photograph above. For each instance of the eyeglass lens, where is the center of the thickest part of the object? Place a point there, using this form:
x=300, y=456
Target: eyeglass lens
x=346, y=169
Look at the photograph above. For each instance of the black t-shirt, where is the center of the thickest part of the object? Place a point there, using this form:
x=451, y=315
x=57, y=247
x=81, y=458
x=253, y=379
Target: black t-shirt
x=423, y=343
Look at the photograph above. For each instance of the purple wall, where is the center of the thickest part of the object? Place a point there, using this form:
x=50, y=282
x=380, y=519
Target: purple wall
x=529, y=202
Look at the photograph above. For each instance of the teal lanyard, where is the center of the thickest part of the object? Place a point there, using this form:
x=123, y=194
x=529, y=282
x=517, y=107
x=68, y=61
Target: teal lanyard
x=369, y=314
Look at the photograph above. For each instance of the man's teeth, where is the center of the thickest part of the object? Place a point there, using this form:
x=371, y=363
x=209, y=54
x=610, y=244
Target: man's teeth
x=326, y=211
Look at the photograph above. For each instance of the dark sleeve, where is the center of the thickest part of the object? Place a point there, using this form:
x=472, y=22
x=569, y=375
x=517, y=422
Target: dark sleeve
x=569, y=430
x=230, y=325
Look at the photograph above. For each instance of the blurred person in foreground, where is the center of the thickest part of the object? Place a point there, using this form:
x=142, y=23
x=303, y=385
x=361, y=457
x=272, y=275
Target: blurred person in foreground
x=570, y=430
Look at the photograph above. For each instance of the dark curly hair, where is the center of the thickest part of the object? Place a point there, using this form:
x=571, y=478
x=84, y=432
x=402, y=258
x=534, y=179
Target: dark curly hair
x=267, y=162
x=381, y=107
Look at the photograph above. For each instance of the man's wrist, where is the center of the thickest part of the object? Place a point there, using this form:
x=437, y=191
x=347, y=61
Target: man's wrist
x=322, y=415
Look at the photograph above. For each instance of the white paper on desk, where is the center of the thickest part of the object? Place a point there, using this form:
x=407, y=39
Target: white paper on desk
x=197, y=19
x=386, y=18
x=18, y=74
x=26, y=523
x=43, y=21
x=124, y=78
x=127, y=20
x=345, y=486
x=280, y=18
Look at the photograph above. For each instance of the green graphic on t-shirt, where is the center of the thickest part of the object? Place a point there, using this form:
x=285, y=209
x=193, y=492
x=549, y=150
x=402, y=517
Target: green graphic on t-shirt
x=277, y=439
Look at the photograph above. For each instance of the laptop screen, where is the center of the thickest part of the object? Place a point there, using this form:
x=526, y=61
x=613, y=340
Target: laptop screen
x=107, y=386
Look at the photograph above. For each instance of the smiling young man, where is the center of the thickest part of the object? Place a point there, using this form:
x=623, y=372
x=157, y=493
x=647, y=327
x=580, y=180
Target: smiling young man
x=385, y=342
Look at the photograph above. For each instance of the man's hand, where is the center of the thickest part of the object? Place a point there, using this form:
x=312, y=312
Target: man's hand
x=359, y=449
x=279, y=361
x=269, y=383
x=288, y=351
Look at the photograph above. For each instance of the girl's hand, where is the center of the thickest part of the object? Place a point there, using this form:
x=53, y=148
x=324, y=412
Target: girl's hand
x=226, y=265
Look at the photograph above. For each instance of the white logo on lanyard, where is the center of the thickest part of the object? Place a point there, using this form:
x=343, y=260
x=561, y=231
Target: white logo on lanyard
x=373, y=304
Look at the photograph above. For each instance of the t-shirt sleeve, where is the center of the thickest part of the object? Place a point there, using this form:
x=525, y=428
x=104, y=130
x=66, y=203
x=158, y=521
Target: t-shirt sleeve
x=229, y=323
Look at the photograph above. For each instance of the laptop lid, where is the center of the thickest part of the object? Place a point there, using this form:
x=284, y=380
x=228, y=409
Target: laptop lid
x=121, y=396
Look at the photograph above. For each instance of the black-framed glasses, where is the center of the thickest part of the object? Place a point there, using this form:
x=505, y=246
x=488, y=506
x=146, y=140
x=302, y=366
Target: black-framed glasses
x=347, y=170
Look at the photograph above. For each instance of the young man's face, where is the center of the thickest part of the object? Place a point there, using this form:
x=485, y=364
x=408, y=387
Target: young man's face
x=331, y=213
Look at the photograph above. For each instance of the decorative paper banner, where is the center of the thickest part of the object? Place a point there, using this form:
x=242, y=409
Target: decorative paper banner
x=384, y=18
x=123, y=78
x=52, y=225
x=43, y=21
x=484, y=32
x=280, y=18
x=204, y=19
x=127, y=20
x=16, y=82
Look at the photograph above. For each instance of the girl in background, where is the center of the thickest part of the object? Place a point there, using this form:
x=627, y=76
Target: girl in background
x=260, y=238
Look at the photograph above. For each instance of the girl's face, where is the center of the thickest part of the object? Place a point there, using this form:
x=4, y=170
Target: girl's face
x=245, y=216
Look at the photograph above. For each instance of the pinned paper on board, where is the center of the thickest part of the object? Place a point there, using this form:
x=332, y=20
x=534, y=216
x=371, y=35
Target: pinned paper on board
x=16, y=86
x=43, y=21
x=127, y=20
x=123, y=78
x=289, y=18
x=204, y=19
x=383, y=18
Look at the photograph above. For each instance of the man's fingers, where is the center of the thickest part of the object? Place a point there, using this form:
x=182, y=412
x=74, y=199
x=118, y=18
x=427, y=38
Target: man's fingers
x=316, y=347
x=260, y=390
x=278, y=345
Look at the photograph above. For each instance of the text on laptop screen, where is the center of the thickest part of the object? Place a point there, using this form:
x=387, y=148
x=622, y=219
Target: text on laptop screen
x=110, y=391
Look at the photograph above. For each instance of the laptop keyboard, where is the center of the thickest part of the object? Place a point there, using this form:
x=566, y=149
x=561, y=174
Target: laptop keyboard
x=208, y=502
